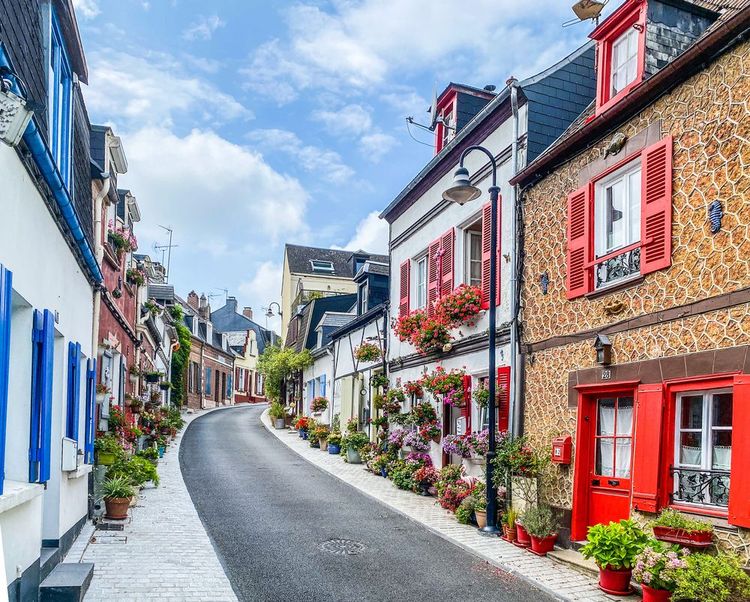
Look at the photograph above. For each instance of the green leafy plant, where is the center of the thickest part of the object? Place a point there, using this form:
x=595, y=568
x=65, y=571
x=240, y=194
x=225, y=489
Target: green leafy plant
x=137, y=470
x=539, y=521
x=676, y=520
x=109, y=444
x=150, y=453
x=334, y=438
x=709, y=578
x=277, y=411
x=180, y=356
x=356, y=440
x=615, y=545
x=465, y=510
x=379, y=380
x=658, y=564
x=510, y=517
x=277, y=363
x=117, y=487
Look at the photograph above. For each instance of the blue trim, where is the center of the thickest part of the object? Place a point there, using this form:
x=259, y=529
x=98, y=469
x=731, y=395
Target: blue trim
x=60, y=101
x=6, y=298
x=74, y=390
x=43, y=158
x=43, y=355
x=90, y=426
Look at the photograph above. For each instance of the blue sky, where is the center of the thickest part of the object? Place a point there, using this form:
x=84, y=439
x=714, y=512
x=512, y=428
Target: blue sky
x=249, y=124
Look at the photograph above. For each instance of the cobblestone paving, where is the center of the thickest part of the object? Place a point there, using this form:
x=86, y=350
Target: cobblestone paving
x=558, y=579
x=163, y=553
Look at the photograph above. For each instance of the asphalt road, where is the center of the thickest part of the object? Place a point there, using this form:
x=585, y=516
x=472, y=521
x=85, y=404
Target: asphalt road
x=269, y=513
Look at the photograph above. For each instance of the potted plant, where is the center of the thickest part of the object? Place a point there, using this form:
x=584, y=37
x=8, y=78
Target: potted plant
x=136, y=405
x=614, y=548
x=302, y=423
x=354, y=442
x=460, y=306
x=102, y=391
x=135, y=276
x=509, y=525
x=334, y=443
x=319, y=405
x=117, y=492
x=674, y=527
x=134, y=372
x=523, y=539
x=108, y=449
x=152, y=376
x=480, y=508
x=541, y=526
x=165, y=385
x=277, y=413
x=656, y=570
x=367, y=352
x=431, y=431
x=710, y=578
x=379, y=380
x=449, y=385
x=414, y=387
x=322, y=432
x=425, y=480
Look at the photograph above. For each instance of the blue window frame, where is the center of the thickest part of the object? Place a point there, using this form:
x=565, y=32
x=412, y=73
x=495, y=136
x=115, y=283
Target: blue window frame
x=208, y=381
x=74, y=390
x=90, y=425
x=42, y=367
x=323, y=385
x=6, y=294
x=60, y=101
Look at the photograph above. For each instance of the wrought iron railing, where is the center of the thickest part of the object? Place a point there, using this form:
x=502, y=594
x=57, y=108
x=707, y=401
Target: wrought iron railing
x=699, y=486
x=622, y=266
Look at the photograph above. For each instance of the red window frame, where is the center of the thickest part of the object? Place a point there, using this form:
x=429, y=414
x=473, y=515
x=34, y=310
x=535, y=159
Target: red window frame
x=630, y=14
x=447, y=105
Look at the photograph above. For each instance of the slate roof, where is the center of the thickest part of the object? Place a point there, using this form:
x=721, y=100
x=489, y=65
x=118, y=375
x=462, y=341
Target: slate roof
x=359, y=321
x=311, y=315
x=335, y=319
x=299, y=258
x=373, y=267
x=226, y=319
x=161, y=292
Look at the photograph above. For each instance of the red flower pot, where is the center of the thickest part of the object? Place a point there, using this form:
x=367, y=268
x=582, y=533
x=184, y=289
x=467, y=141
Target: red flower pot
x=655, y=595
x=615, y=581
x=541, y=545
x=690, y=539
x=522, y=537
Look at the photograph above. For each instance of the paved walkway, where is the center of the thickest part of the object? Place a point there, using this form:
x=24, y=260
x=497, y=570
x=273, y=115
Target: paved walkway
x=557, y=579
x=163, y=553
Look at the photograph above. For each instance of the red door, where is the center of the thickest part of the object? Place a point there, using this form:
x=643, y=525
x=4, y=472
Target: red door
x=611, y=459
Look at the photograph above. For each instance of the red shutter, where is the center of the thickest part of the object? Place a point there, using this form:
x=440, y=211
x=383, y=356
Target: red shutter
x=739, y=488
x=579, y=242
x=486, y=220
x=656, y=206
x=466, y=410
x=433, y=276
x=503, y=398
x=499, y=249
x=447, y=243
x=647, y=430
x=248, y=388
x=403, y=305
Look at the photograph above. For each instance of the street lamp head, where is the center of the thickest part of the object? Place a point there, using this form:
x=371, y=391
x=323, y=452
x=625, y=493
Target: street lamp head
x=462, y=190
x=269, y=313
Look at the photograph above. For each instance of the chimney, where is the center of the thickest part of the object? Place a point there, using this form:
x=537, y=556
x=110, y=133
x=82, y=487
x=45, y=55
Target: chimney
x=247, y=312
x=232, y=304
x=204, y=311
x=192, y=300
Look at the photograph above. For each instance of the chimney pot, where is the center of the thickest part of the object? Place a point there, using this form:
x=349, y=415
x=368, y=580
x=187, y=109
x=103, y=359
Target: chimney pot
x=248, y=312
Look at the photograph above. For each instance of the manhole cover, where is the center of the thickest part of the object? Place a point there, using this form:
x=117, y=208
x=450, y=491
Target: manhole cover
x=342, y=547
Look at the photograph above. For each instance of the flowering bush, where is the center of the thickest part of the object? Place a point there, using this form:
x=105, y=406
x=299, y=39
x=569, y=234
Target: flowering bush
x=302, y=423
x=458, y=445
x=415, y=440
x=396, y=438
x=515, y=457
x=448, y=384
x=425, y=478
x=319, y=404
x=479, y=442
x=121, y=239
x=460, y=306
x=367, y=352
x=404, y=327
x=421, y=458
x=432, y=335
x=431, y=431
x=379, y=380
x=657, y=565
x=135, y=276
x=451, y=496
x=414, y=387
x=423, y=413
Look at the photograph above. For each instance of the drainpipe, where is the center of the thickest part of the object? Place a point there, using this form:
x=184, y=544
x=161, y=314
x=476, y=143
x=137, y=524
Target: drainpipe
x=99, y=250
x=516, y=416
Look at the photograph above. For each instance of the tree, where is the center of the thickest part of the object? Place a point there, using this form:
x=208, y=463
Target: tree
x=278, y=363
x=180, y=357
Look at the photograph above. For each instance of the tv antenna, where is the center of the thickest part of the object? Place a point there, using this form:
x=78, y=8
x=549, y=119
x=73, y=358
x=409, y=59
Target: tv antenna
x=586, y=10
x=224, y=290
x=166, y=248
x=434, y=120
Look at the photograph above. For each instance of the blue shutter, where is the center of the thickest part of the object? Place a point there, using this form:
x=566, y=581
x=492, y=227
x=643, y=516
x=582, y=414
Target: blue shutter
x=6, y=293
x=208, y=381
x=74, y=390
x=40, y=446
x=229, y=385
x=90, y=411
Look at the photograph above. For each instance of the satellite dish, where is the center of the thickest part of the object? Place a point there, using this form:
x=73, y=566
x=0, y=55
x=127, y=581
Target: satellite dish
x=433, y=110
x=588, y=9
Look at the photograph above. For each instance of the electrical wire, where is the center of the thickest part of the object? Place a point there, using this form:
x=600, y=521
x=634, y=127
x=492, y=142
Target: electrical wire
x=408, y=129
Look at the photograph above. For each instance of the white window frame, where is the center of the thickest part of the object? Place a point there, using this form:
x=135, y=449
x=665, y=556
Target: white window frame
x=364, y=291
x=632, y=234
x=622, y=68
x=706, y=431
x=322, y=265
x=420, y=287
x=468, y=235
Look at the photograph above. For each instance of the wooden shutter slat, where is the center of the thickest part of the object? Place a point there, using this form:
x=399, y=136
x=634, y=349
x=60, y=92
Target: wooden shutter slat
x=90, y=411
x=447, y=246
x=739, y=486
x=6, y=293
x=486, y=224
x=503, y=398
x=433, y=276
x=656, y=206
x=579, y=242
x=74, y=389
x=403, y=306
x=647, y=431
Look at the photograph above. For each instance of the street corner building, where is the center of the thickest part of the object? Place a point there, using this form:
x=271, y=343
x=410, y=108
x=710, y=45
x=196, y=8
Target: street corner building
x=48, y=274
x=636, y=281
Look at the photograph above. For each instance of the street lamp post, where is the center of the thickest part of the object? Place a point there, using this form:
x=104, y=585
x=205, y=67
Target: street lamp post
x=463, y=191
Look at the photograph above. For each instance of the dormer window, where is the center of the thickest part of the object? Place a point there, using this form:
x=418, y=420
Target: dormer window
x=449, y=126
x=624, y=61
x=321, y=266
x=60, y=94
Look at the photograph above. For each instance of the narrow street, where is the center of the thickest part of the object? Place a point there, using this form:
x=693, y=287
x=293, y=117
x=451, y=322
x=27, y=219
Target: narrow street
x=276, y=522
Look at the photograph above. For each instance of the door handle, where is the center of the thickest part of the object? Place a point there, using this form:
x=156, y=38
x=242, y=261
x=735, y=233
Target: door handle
x=613, y=482
x=595, y=482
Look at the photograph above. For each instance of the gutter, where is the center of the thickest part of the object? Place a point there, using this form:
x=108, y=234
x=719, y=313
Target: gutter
x=515, y=411
x=40, y=153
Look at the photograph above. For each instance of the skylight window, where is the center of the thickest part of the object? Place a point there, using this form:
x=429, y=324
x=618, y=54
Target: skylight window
x=321, y=266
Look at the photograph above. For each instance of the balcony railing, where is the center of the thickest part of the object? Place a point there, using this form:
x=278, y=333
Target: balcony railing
x=613, y=268
x=699, y=486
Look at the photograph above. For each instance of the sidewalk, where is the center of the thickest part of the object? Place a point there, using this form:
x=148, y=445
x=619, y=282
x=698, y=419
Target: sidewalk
x=544, y=573
x=163, y=553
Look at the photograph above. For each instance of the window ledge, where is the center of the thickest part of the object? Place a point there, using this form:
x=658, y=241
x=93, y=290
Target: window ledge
x=79, y=472
x=16, y=493
x=615, y=287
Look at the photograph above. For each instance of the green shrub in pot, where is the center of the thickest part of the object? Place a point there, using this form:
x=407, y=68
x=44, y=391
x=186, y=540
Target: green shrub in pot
x=539, y=521
x=710, y=578
x=117, y=487
x=615, y=545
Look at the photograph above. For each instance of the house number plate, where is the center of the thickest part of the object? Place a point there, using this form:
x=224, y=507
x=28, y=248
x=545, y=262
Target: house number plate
x=606, y=374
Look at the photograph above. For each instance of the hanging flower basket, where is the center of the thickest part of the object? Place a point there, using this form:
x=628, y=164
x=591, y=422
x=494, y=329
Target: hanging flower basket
x=367, y=352
x=319, y=404
x=450, y=385
x=404, y=327
x=414, y=387
x=460, y=306
x=433, y=335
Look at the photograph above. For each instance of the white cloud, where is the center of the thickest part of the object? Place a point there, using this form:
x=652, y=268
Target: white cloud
x=407, y=102
x=371, y=235
x=350, y=120
x=204, y=28
x=153, y=90
x=326, y=164
x=375, y=146
x=88, y=9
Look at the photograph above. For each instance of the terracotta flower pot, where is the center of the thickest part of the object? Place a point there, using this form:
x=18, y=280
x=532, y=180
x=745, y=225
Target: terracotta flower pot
x=523, y=540
x=541, y=545
x=324, y=444
x=655, y=595
x=615, y=581
x=684, y=537
x=510, y=533
x=116, y=507
x=481, y=518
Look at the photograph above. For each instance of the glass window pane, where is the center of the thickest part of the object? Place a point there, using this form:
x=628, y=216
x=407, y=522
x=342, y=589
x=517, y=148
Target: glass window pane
x=624, y=416
x=721, y=452
x=622, y=467
x=615, y=224
x=722, y=409
x=605, y=451
x=634, y=194
x=605, y=424
x=692, y=412
x=691, y=446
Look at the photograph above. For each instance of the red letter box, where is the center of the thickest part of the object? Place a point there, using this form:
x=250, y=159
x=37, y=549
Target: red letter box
x=561, y=447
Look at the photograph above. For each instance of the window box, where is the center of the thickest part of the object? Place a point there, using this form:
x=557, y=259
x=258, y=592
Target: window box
x=684, y=537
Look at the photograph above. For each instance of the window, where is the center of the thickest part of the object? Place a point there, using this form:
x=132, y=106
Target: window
x=449, y=127
x=208, y=381
x=74, y=390
x=421, y=282
x=473, y=254
x=60, y=92
x=42, y=368
x=614, y=435
x=363, y=294
x=321, y=266
x=703, y=448
x=624, y=60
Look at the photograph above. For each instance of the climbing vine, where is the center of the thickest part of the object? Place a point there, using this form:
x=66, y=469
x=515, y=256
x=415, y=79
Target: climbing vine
x=180, y=358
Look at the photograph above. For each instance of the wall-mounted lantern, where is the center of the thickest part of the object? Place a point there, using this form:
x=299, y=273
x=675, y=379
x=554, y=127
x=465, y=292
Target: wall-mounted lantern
x=603, y=348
